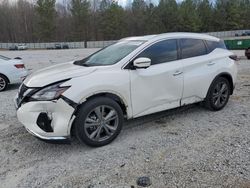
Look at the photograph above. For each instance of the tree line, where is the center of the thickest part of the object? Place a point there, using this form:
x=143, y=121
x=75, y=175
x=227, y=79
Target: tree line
x=84, y=20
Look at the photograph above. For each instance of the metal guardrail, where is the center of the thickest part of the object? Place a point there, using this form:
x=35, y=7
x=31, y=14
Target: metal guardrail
x=101, y=44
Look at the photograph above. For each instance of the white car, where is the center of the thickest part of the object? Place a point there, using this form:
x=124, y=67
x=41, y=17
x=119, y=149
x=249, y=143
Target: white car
x=134, y=77
x=12, y=71
x=22, y=47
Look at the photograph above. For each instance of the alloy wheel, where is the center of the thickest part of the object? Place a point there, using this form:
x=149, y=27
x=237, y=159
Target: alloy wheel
x=2, y=83
x=101, y=123
x=220, y=94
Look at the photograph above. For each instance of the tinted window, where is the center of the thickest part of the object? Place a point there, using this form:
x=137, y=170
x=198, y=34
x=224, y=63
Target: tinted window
x=192, y=48
x=161, y=52
x=213, y=45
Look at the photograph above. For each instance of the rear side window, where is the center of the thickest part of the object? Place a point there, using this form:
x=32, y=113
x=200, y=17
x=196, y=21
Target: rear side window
x=214, y=44
x=161, y=52
x=192, y=48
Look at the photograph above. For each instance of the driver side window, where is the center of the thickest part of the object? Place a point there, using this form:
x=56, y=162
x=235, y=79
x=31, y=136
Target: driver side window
x=161, y=52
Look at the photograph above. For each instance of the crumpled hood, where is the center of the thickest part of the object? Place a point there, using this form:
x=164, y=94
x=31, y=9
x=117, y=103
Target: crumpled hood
x=56, y=73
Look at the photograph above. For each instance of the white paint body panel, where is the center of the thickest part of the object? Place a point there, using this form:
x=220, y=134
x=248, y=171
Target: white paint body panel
x=8, y=69
x=59, y=111
x=143, y=91
x=156, y=88
x=199, y=72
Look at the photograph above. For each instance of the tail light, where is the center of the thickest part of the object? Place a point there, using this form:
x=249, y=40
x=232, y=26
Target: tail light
x=19, y=66
x=234, y=57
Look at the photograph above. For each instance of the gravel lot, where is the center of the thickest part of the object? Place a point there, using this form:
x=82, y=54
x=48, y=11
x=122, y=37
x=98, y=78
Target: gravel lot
x=186, y=147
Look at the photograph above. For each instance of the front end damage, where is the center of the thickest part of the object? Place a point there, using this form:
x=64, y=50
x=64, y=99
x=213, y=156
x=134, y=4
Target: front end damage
x=47, y=120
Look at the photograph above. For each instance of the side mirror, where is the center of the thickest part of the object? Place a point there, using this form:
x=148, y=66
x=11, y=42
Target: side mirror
x=142, y=63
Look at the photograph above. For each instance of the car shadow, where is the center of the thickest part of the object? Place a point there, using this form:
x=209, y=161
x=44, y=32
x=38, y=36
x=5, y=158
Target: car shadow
x=140, y=121
x=137, y=122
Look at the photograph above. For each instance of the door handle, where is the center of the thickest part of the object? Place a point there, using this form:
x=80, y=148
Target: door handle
x=211, y=63
x=177, y=73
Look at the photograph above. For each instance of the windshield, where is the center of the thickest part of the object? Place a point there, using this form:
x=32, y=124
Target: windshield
x=111, y=54
x=4, y=58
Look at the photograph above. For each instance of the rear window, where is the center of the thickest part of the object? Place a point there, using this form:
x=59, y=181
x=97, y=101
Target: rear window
x=212, y=45
x=192, y=48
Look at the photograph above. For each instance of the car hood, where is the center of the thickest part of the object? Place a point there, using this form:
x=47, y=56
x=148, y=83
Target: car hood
x=56, y=73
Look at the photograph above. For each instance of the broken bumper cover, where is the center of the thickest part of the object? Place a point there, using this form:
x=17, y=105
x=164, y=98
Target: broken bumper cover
x=47, y=120
x=56, y=138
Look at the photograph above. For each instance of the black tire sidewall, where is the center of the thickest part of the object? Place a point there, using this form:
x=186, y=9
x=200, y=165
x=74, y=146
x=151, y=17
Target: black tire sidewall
x=6, y=82
x=83, y=113
x=209, y=98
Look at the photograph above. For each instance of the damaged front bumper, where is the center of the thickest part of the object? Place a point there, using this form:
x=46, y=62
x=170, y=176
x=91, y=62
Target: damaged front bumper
x=47, y=120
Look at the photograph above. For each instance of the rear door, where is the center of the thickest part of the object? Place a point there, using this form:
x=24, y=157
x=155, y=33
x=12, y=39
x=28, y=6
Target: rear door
x=198, y=69
x=160, y=86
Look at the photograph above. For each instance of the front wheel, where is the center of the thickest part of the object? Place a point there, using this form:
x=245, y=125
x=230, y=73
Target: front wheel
x=218, y=94
x=99, y=121
x=3, y=82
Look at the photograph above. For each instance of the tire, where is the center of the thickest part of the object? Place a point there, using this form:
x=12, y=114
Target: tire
x=91, y=127
x=218, y=94
x=3, y=82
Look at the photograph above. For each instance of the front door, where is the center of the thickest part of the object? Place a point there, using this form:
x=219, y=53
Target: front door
x=160, y=86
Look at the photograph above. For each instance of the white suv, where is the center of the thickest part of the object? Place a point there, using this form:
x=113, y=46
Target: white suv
x=134, y=77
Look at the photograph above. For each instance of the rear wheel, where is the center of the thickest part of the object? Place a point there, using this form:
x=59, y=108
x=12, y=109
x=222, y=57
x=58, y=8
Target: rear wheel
x=218, y=94
x=3, y=82
x=99, y=121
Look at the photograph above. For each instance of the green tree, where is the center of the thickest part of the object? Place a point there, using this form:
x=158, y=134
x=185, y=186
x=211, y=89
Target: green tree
x=190, y=20
x=234, y=15
x=205, y=12
x=105, y=4
x=152, y=24
x=46, y=14
x=112, y=21
x=169, y=15
x=227, y=15
x=80, y=10
x=245, y=12
x=138, y=20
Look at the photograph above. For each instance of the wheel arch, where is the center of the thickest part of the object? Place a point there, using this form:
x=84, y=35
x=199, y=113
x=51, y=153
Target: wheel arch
x=121, y=102
x=113, y=96
x=227, y=76
x=8, y=80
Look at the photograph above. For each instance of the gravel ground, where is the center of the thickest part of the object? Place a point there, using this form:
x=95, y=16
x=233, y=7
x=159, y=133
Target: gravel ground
x=186, y=147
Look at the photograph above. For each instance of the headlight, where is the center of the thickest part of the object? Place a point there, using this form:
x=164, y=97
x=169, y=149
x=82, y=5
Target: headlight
x=49, y=93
